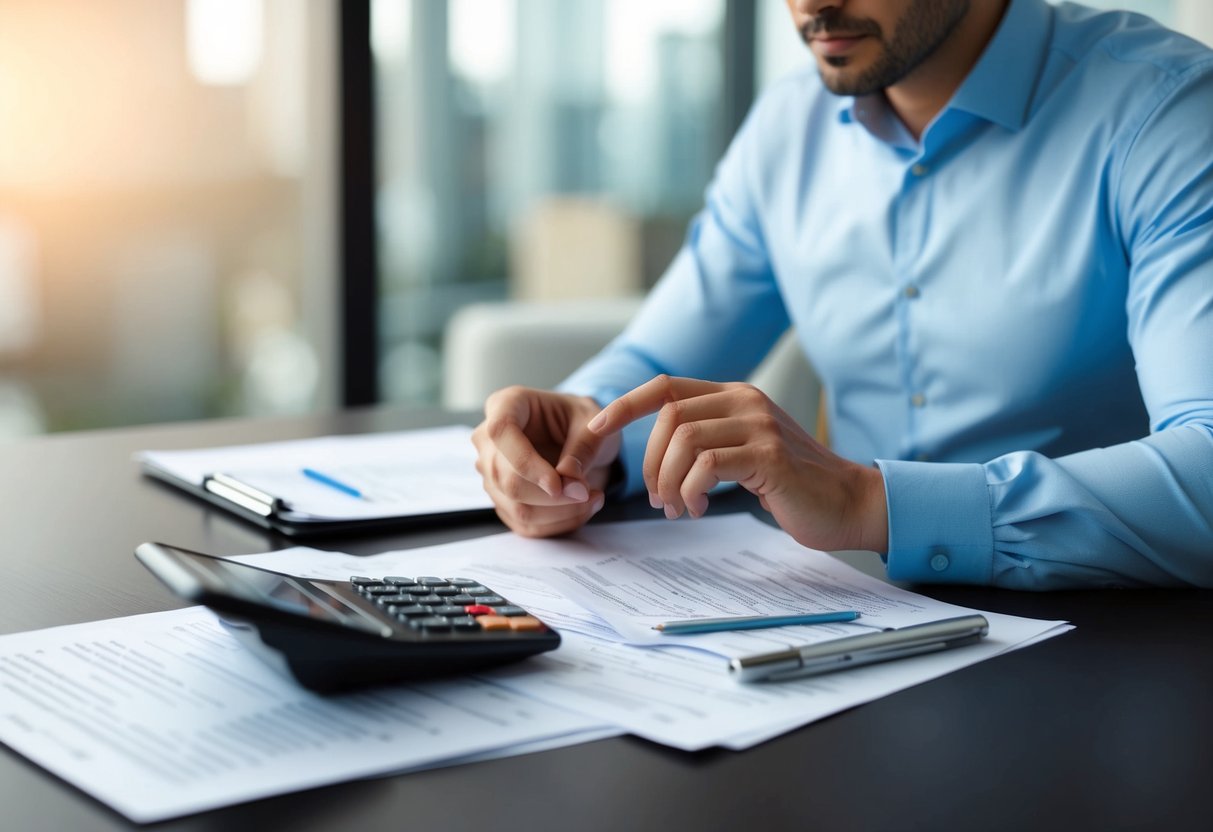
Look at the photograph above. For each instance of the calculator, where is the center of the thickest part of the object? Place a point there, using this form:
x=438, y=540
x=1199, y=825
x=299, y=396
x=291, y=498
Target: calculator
x=337, y=635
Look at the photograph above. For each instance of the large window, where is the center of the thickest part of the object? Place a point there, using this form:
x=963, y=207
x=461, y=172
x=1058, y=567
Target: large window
x=170, y=209
x=533, y=149
x=166, y=210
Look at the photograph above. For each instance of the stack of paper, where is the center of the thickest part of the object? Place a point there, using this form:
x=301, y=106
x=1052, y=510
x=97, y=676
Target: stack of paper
x=164, y=714
x=607, y=587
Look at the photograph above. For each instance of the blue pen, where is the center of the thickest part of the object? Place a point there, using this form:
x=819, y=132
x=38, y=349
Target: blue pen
x=752, y=622
x=325, y=479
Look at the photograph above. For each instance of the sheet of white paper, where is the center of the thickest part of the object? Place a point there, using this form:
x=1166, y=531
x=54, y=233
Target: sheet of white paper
x=684, y=698
x=643, y=574
x=604, y=732
x=399, y=474
x=752, y=738
x=687, y=699
x=617, y=580
x=165, y=714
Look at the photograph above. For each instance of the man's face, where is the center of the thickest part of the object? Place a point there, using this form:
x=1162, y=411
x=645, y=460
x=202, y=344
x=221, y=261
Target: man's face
x=864, y=46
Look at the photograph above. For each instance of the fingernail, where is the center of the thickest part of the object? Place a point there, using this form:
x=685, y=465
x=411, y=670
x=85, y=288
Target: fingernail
x=597, y=507
x=598, y=421
x=698, y=506
x=576, y=491
x=655, y=501
x=670, y=513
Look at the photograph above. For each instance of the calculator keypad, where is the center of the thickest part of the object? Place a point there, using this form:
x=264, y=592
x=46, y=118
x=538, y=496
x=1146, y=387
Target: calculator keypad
x=431, y=604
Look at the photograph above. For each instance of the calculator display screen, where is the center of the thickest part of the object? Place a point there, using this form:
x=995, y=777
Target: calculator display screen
x=281, y=591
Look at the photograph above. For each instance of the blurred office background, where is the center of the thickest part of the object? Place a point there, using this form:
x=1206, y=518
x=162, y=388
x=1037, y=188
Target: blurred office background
x=243, y=207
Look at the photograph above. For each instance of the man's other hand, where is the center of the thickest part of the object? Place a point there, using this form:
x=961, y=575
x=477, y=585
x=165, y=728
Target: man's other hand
x=544, y=469
x=707, y=433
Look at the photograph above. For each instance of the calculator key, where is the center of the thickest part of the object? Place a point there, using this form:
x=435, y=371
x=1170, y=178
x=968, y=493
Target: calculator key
x=358, y=580
x=460, y=599
x=444, y=590
x=465, y=624
x=479, y=609
x=408, y=610
x=477, y=590
x=493, y=622
x=491, y=600
x=394, y=599
x=509, y=610
x=380, y=590
x=525, y=623
x=396, y=580
x=429, y=580
x=434, y=623
x=462, y=582
x=447, y=610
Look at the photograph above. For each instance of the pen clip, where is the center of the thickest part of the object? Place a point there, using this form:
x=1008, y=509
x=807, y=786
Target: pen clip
x=243, y=494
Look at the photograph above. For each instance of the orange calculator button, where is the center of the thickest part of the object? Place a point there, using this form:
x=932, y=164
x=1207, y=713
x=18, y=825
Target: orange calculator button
x=493, y=622
x=525, y=622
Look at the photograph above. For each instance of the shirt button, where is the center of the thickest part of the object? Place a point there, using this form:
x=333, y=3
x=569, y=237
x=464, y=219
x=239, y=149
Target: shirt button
x=918, y=400
x=940, y=562
x=919, y=170
x=911, y=291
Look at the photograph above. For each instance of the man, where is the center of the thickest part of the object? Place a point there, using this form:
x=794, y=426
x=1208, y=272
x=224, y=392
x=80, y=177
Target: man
x=991, y=224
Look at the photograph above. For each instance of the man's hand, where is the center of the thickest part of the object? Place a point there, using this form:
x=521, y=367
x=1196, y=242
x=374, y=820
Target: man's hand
x=544, y=469
x=709, y=433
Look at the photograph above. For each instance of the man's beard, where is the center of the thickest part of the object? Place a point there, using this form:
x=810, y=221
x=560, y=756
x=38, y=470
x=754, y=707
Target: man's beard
x=923, y=27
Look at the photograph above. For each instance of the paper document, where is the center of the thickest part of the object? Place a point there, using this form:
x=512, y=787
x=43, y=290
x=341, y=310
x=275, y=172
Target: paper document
x=686, y=698
x=165, y=714
x=361, y=477
x=630, y=575
x=647, y=573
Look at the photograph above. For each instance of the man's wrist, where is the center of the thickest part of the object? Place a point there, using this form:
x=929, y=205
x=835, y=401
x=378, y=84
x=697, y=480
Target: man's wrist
x=874, y=524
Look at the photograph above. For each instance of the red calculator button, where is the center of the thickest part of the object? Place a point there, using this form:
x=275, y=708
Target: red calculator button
x=478, y=609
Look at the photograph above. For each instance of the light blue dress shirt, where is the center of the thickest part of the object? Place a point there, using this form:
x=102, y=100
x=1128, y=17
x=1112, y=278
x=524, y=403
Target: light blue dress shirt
x=1012, y=318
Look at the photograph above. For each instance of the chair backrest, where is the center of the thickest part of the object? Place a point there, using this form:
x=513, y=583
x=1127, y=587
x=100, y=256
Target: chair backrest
x=538, y=343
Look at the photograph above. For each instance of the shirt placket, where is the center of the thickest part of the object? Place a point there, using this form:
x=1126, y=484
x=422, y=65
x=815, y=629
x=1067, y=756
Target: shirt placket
x=909, y=237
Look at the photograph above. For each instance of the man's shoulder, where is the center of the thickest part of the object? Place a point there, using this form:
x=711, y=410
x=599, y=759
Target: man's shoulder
x=1126, y=42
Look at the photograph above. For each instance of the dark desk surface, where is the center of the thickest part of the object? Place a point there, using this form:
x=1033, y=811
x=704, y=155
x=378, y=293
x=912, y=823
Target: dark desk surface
x=1107, y=727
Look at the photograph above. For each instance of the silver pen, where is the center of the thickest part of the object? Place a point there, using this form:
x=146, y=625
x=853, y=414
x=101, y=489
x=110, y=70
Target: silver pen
x=868, y=648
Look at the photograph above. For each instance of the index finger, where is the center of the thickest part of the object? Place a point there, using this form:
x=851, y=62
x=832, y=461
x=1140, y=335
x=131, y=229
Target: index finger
x=649, y=398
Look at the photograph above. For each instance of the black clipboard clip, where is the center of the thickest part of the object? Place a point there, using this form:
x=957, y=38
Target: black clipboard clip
x=244, y=495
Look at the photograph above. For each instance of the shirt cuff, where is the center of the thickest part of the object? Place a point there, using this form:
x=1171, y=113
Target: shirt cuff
x=940, y=525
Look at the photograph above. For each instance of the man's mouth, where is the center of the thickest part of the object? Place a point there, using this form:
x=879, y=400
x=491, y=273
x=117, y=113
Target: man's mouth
x=834, y=43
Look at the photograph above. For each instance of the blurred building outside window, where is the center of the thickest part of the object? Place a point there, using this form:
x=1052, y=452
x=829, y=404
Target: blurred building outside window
x=533, y=149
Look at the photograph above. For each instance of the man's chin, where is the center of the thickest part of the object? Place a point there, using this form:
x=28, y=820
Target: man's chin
x=852, y=78
x=839, y=81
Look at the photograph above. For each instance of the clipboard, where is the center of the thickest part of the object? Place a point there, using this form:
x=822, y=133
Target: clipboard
x=416, y=477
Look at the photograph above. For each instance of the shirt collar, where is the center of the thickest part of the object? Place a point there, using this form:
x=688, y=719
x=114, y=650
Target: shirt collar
x=1001, y=84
